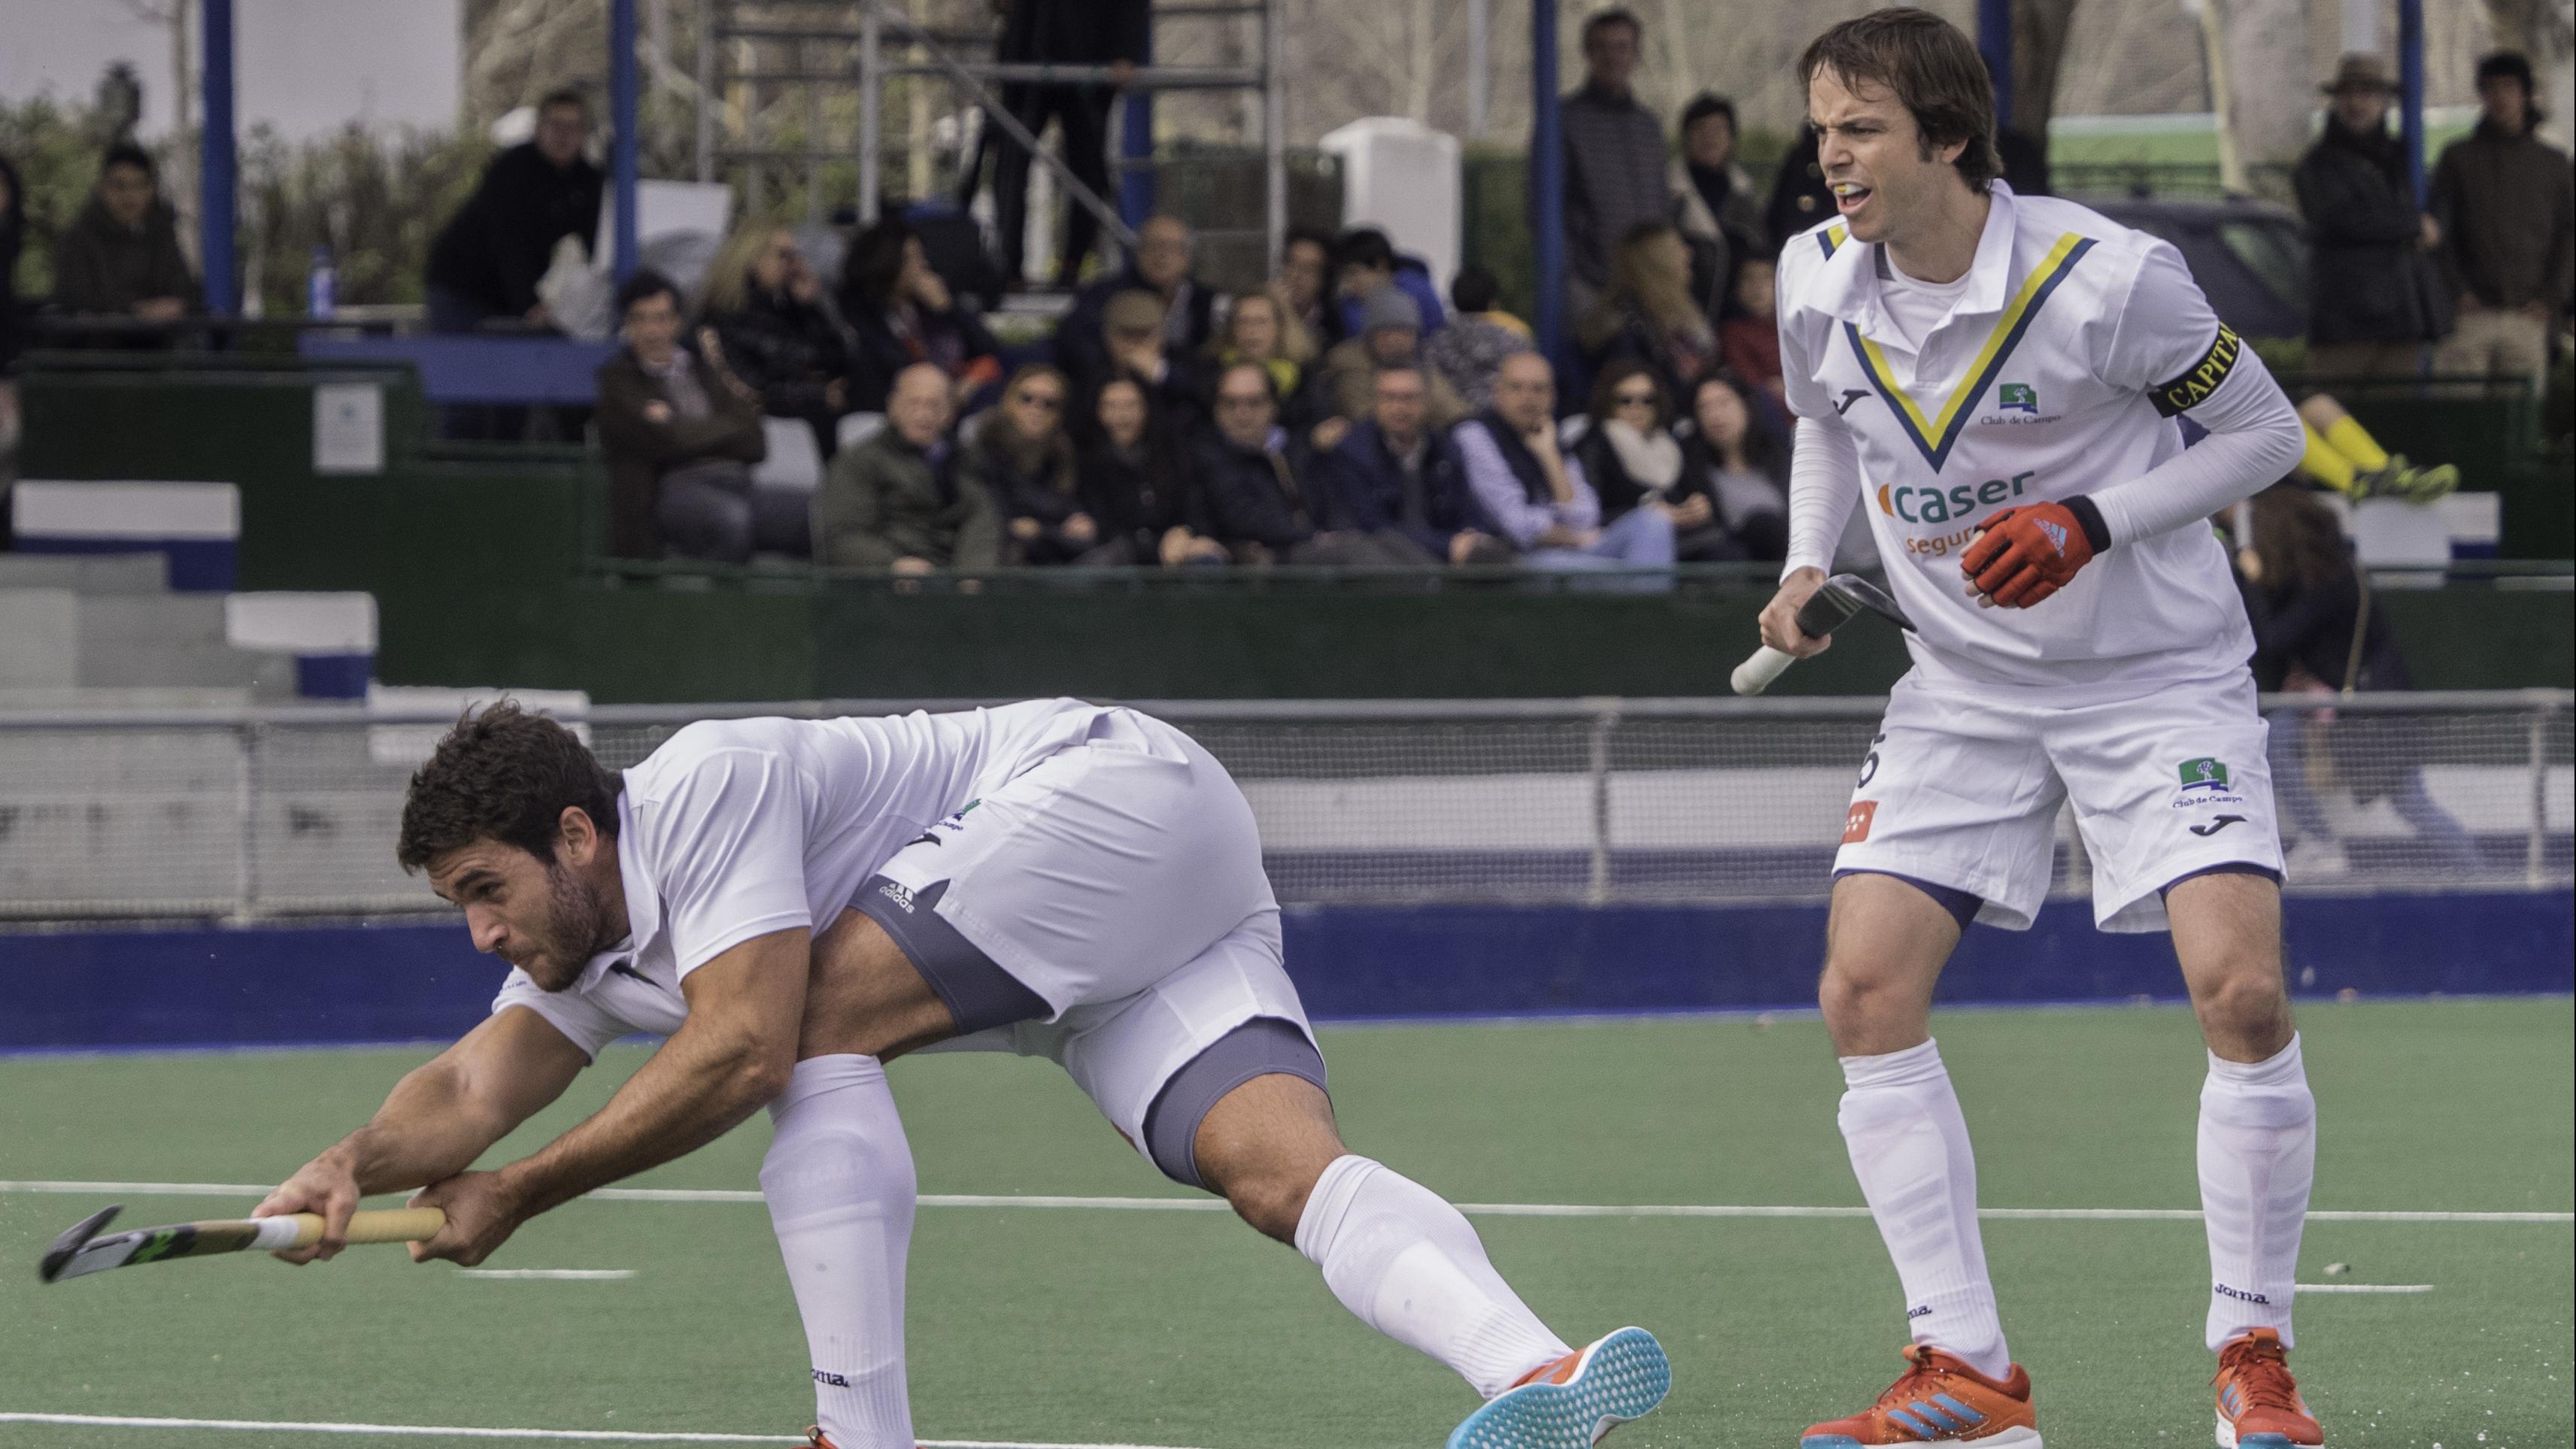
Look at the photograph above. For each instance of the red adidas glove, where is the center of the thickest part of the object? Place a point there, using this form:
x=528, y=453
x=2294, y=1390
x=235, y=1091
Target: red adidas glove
x=2022, y=555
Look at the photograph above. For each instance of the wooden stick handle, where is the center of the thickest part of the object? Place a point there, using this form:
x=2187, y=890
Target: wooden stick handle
x=395, y=1225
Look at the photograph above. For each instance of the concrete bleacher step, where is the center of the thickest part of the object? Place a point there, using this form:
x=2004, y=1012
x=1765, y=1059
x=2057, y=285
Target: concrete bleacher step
x=56, y=638
x=102, y=573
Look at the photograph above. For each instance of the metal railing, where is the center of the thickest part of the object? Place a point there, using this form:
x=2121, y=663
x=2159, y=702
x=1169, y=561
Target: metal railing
x=246, y=814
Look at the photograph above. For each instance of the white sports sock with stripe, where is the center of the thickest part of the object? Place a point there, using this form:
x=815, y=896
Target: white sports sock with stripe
x=840, y=1186
x=1409, y=1265
x=2258, y=1156
x=1909, y=1148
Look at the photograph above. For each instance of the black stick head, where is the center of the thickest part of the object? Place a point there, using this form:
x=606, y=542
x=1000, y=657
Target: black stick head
x=73, y=1239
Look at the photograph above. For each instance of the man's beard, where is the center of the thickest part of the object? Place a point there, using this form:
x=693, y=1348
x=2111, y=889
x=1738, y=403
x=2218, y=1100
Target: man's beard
x=576, y=928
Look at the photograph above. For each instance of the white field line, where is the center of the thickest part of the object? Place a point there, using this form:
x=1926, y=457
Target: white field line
x=1481, y=1209
x=2365, y=1287
x=453, y=1431
x=554, y=1275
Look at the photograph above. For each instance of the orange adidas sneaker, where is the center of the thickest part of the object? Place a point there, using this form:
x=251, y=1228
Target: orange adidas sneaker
x=1940, y=1400
x=2258, y=1402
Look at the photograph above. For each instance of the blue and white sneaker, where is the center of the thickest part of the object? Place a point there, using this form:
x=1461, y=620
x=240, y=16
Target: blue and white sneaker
x=1571, y=1403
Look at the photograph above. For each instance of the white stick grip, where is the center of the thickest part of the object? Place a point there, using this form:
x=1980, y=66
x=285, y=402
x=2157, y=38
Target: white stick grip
x=1755, y=674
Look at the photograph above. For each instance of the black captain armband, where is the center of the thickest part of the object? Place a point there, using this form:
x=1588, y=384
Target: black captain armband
x=2201, y=378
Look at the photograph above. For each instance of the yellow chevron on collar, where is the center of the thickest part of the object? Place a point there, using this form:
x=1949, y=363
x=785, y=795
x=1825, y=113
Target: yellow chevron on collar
x=2006, y=328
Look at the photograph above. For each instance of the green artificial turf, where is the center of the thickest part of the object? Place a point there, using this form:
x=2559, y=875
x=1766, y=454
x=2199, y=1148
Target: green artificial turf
x=1186, y=1329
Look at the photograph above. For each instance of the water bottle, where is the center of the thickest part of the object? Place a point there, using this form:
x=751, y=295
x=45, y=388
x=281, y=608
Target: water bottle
x=321, y=285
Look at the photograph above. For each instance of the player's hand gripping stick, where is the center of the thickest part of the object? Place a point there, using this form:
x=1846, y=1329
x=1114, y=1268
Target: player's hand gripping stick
x=1830, y=607
x=81, y=1251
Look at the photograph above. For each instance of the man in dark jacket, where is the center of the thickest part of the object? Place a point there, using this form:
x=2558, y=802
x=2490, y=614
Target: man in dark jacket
x=1799, y=196
x=1161, y=265
x=1614, y=156
x=121, y=255
x=2373, y=303
x=1260, y=509
x=896, y=502
x=2509, y=230
x=487, y=260
x=1395, y=477
x=680, y=435
x=1062, y=32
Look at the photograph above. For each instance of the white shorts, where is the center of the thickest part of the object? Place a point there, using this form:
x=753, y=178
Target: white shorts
x=1119, y=880
x=1962, y=790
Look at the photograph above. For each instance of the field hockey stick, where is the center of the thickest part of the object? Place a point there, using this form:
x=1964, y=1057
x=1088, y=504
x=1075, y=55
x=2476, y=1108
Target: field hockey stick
x=80, y=1250
x=1829, y=608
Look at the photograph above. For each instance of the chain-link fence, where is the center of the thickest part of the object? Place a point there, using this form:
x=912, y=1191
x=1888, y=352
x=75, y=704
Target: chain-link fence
x=249, y=814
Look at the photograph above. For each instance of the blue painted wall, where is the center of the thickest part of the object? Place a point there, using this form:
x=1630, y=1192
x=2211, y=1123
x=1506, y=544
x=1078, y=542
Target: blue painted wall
x=320, y=984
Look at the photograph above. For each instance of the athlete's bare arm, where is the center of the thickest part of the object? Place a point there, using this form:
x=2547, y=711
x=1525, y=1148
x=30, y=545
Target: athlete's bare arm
x=440, y=1117
x=733, y=1054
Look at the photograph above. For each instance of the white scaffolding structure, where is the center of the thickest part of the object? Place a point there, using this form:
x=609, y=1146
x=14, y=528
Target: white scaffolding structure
x=749, y=51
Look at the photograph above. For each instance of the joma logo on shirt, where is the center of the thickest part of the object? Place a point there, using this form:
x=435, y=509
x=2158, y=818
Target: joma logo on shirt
x=1935, y=505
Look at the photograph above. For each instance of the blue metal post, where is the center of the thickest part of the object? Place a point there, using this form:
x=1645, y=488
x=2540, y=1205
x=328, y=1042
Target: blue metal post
x=621, y=114
x=2410, y=85
x=1136, y=147
x=1547, y=180
x=1995, y=43
x=217, y=171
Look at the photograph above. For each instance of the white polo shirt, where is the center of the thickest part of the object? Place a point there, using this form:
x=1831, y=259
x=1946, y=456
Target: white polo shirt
x=2059, y=369
x=739, y=828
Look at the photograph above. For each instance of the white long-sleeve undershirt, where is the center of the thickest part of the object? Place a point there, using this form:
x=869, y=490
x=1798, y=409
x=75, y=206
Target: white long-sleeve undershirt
x=1824, y=483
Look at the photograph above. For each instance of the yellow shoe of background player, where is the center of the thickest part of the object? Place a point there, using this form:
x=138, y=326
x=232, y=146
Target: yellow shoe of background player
x=1939, y=1401
x=2258, y=1402
x=2424, y=485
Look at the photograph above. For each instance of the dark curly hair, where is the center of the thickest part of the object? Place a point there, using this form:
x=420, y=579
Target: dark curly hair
x=507, y=775
x=1935, y=72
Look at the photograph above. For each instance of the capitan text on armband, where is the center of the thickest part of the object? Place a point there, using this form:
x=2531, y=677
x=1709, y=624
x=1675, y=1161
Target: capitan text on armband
x=2185, y=392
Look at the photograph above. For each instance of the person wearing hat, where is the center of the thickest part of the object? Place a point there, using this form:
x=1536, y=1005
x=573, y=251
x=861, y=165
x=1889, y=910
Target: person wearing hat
x=1136, y=347
x=1713, y=200
x=1390, y=335
x=2374, y=296
x=2509, y=244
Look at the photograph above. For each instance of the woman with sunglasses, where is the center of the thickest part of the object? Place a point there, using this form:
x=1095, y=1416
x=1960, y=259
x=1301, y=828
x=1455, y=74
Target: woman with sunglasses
x=1021, y=456
x=1634, y=461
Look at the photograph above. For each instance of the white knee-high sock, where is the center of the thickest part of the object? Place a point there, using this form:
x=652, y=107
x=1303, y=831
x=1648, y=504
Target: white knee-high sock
x=1909, y=1148
x=1409, y=1265
x=840, y=1187
x=2258, y=1156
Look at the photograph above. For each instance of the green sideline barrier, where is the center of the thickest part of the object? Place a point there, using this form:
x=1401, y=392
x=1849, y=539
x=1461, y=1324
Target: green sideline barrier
x=477, y=560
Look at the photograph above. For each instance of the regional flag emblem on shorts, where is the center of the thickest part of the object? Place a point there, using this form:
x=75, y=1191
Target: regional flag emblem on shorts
x=2204, y=774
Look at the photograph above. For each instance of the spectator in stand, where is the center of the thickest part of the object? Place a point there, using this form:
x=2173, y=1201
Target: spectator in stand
x=1742, y=468
x=120, y=256
x=486, y=262
x=1713, y=201
x=1397, y=479
x=2373, y=301
x=1021, y=456
x=1648, y=312
x=1749, y=341
x=2316, y=632
x=1633, y=461
x=1258, y=506
x=1133, y=338
x=1614, y=157
x=1477, y=339
x=681, y=434
x=774, y=329
x=1258, y=330
x=1136, y=482
x=2509, y=230
x=1305, y=266
x=901, y=314
x=1366, y=263
x=1799, y=196
x=1390, y=335
x=1062, y=32
x=1159, y=267
x=1540, y=498
x=896, y=501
